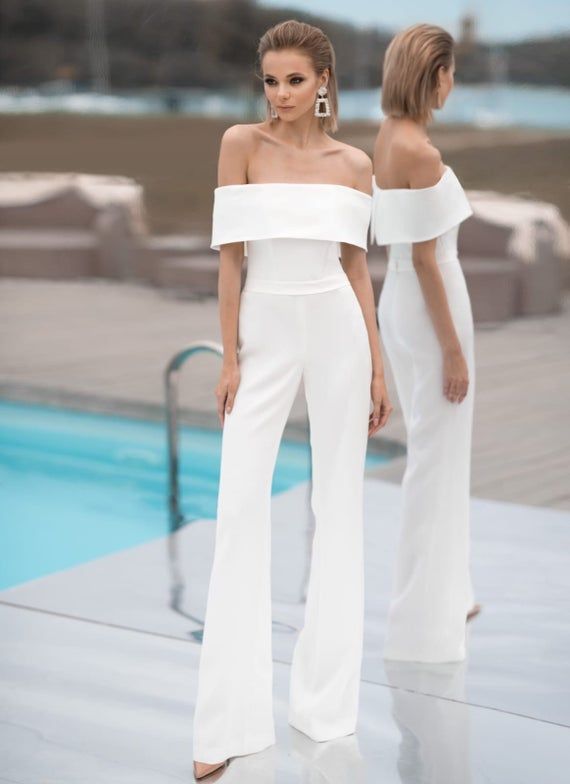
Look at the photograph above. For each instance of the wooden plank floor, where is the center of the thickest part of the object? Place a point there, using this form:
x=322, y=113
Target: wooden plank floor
x=102, y=344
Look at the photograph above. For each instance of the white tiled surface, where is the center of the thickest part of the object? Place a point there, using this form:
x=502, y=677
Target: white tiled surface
x=106, y=693
x=85, y=703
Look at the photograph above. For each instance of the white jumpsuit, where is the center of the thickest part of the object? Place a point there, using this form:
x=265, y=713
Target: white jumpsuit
x=299, y=318
x=432, y=590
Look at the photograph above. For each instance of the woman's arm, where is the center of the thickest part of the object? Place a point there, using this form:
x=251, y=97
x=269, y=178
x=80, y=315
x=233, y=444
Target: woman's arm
x=426, y=171
x=232, y=170
x=353, y=260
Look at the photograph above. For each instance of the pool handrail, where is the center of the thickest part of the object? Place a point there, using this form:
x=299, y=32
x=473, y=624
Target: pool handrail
x=171, y=393
x=177, y=578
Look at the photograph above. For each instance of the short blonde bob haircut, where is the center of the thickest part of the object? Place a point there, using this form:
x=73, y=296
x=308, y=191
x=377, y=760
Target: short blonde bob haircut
x=313, y=43
x=410, y=70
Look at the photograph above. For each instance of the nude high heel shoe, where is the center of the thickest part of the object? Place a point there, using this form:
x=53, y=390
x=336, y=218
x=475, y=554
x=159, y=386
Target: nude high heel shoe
x=203, y=769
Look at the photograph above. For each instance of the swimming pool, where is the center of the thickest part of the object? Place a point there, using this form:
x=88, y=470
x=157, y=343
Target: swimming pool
x=75, y=485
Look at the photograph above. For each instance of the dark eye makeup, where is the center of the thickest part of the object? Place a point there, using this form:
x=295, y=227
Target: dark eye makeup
x=293, y=80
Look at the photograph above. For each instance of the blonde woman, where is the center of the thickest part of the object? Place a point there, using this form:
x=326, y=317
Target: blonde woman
x=426, y=324
x=298, y=203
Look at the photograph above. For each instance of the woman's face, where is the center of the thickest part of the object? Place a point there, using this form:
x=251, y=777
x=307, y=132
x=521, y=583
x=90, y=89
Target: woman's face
x=446, y=82
x=290, y=82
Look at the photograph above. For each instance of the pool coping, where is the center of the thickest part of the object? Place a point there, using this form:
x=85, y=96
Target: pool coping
x=295, y=429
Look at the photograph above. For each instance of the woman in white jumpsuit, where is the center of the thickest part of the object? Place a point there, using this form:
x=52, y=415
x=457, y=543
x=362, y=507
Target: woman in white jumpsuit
x=432, y=591
x=299, y=318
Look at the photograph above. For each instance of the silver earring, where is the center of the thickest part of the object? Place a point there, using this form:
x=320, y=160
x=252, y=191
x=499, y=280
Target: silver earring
x=274, y=113
x=322, y=106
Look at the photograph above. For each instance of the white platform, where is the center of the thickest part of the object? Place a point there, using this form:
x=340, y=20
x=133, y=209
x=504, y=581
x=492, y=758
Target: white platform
x=98, y=673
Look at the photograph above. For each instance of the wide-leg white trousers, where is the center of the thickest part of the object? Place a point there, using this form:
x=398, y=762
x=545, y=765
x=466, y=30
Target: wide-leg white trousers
x=432, y=589
x=321, y=337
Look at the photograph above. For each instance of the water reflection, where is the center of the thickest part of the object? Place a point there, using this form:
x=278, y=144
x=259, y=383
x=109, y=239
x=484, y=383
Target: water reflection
x=486, y=105
x=259, y=768
x=434, y=745
x=337, y=761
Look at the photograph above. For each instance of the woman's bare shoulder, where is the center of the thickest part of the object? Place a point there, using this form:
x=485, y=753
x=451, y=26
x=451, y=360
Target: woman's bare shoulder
x=241, y=135
x=355, y=157
x=425, y=166
x=236, y=147
x=357, y=166
x=410, y=153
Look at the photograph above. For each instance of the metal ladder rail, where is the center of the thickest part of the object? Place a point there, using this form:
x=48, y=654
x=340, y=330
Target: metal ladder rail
x=176, y=518
x=171, y=392
x=177, y=581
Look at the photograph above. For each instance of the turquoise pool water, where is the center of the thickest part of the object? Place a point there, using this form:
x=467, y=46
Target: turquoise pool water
x=76, y=486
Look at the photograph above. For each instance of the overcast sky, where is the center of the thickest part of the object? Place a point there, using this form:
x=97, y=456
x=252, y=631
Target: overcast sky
x=498, y=20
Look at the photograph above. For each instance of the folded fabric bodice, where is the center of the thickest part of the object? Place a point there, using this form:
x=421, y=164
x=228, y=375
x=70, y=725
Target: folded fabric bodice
x=291, y=232
x=402, y=216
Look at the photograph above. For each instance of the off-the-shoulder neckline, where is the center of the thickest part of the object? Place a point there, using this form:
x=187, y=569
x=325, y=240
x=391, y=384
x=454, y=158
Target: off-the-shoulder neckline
x=295, y=184
x=411, y=190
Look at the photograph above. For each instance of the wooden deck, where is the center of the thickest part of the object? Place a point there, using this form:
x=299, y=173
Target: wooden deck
x=104, y=345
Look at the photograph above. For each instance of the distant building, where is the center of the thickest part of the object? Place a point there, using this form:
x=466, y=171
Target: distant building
x=467, y=32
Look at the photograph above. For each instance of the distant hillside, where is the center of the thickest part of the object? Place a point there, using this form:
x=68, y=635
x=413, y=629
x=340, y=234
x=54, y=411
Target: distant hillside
x=211, y=43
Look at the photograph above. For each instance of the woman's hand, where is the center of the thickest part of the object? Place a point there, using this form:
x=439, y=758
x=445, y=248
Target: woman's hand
x=226, y=389
x=455, y=376
x=381, y=402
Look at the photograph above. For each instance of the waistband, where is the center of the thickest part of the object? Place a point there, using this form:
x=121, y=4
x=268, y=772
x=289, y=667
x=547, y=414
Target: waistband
x=314, y=286
x=399, y=265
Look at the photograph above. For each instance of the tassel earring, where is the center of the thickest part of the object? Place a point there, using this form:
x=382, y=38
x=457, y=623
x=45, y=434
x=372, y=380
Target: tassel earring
x=274, y=113
x=322, y=106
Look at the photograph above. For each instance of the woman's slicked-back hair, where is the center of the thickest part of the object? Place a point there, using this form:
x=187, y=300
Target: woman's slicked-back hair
x=313, y=43
x=410, y=70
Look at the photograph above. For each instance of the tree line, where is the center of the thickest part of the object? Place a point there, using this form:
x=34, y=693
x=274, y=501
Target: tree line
x=211, y=44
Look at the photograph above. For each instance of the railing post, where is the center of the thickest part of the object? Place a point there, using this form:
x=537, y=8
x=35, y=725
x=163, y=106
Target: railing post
x=171, y=398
